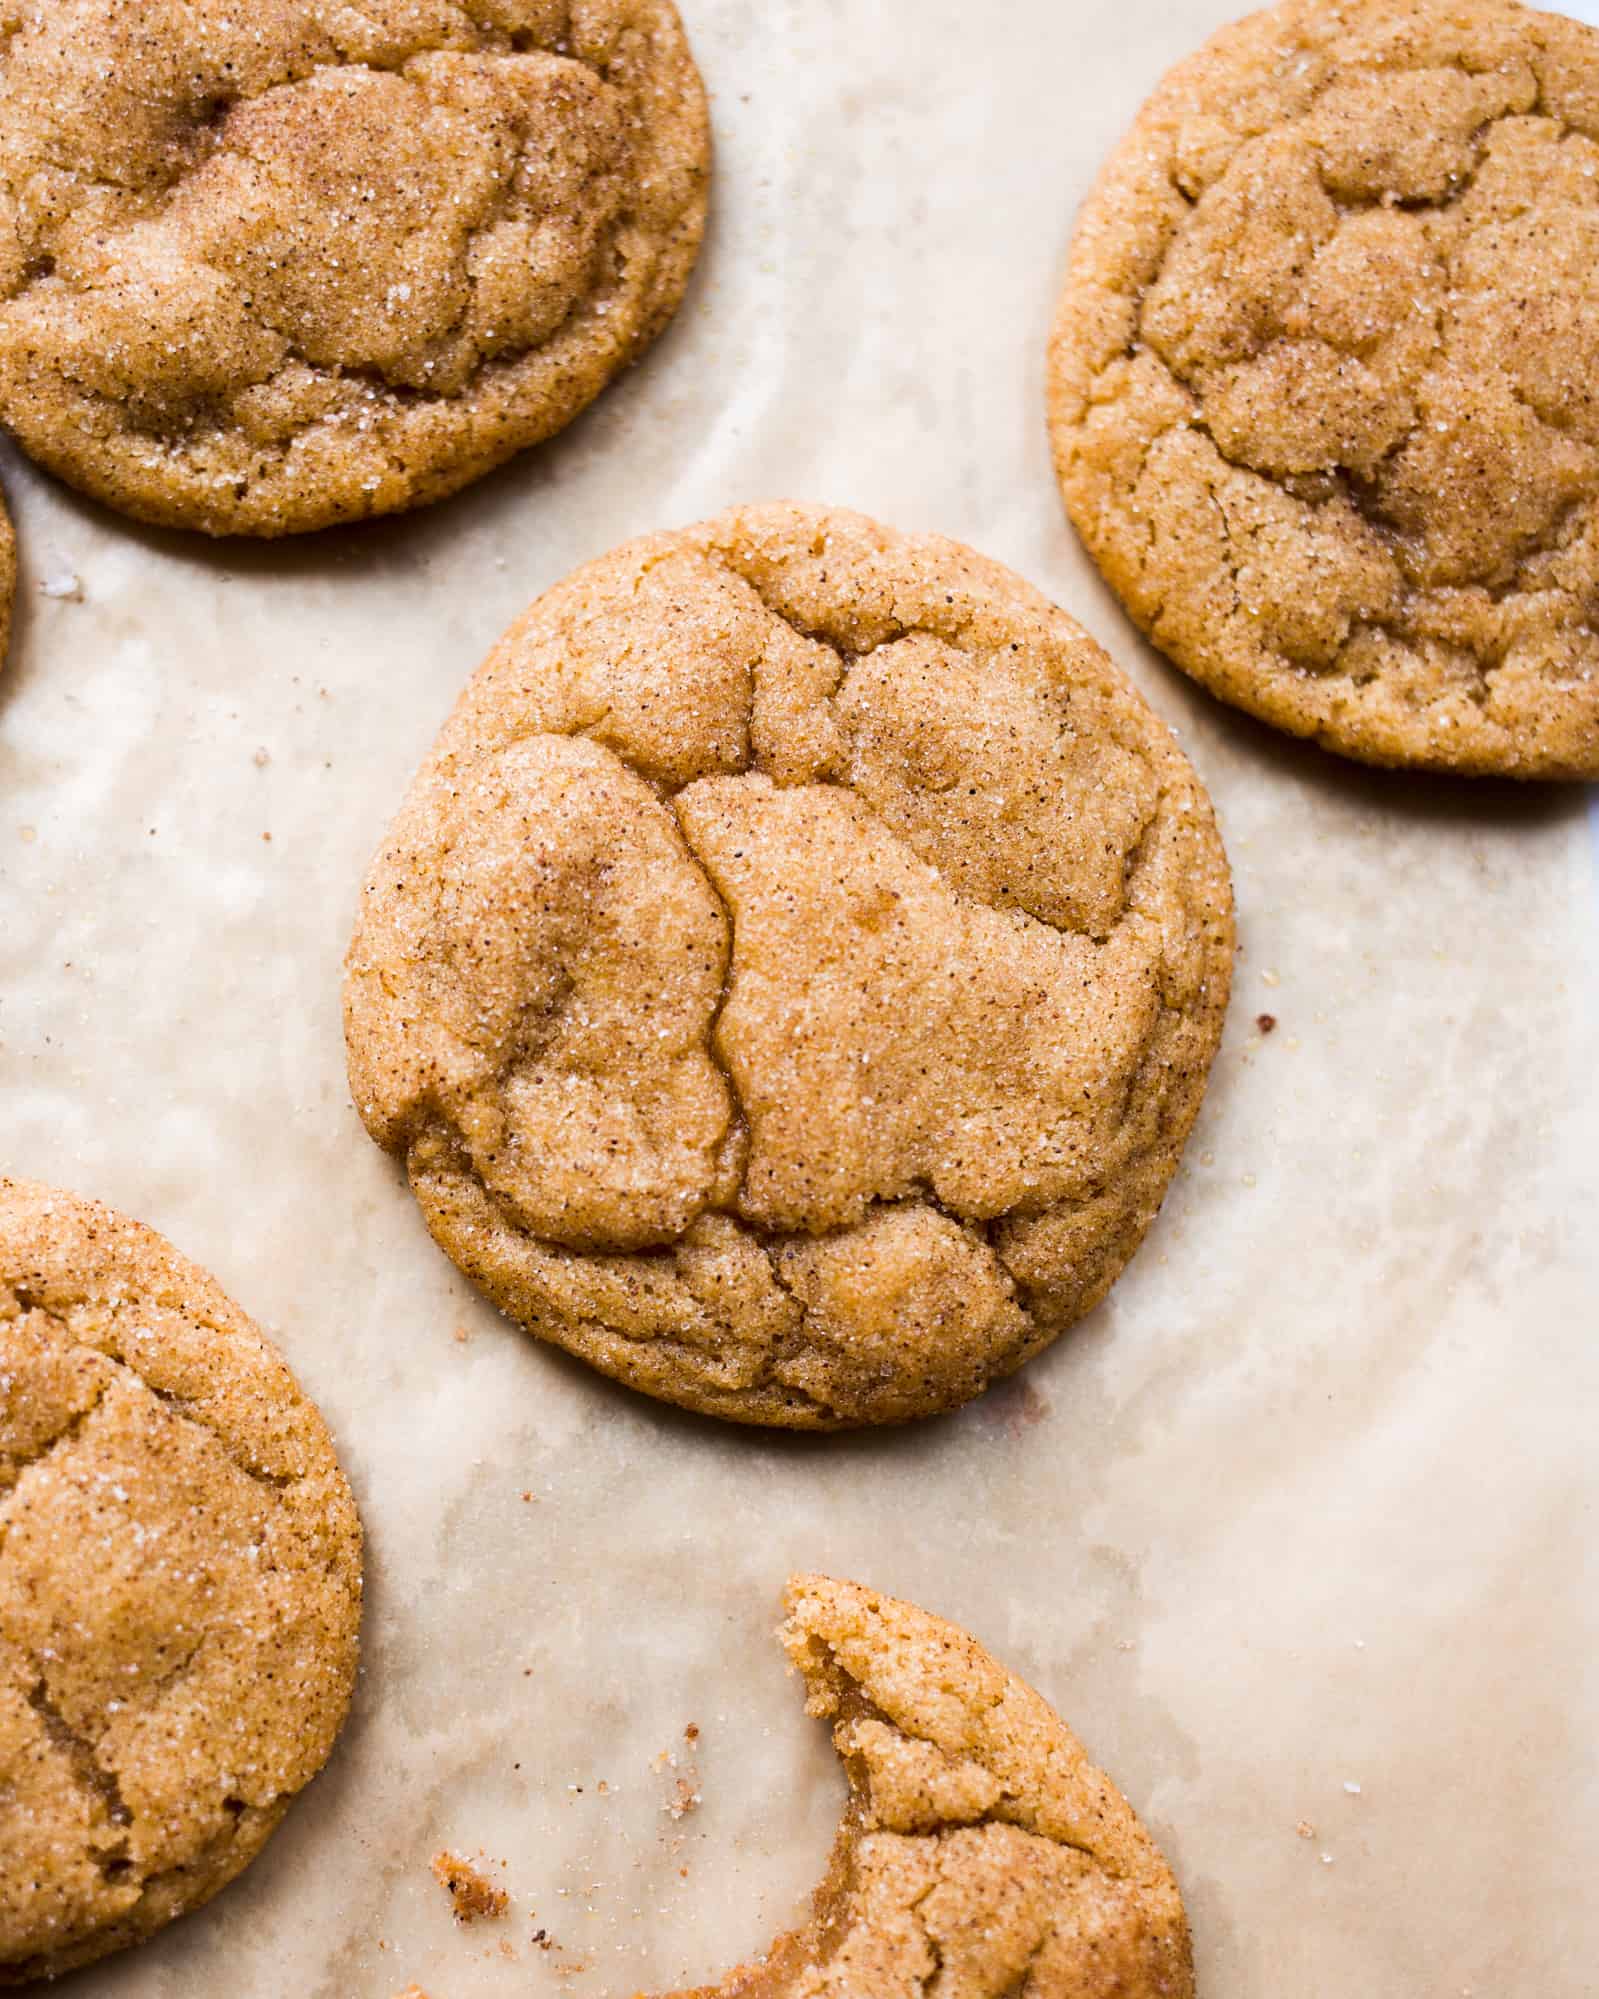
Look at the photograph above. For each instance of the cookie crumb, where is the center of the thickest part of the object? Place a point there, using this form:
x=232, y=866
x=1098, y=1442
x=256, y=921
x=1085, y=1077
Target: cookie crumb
x=686, y=1795
x=1305, y=1829
x=460, y=1335
x=1266, y=1022
x=472, y=1895
x=261, y=759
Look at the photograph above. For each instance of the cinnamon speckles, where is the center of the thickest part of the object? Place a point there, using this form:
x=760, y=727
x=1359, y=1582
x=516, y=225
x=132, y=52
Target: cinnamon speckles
x=793, y=974
x=1322, y=380
x=269, y=268
x=180, y=1585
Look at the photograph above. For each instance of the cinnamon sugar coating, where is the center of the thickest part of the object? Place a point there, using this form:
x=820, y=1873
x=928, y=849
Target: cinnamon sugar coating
x=1323, y=379
x=268, y=267
x=794, y=972
x=180, y=1585
x=981, y=1854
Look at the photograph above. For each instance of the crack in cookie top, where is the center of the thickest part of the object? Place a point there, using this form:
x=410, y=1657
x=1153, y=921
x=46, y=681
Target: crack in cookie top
x=795, y=970
x=1324, y=379
x=981, y=1854
x=180, y=1585
x=265, y=267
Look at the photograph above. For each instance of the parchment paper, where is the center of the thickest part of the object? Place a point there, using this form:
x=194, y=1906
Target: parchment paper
x=1308, y=1504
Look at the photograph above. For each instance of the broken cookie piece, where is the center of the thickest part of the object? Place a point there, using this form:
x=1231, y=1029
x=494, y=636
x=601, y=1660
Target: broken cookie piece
x=980, y=1854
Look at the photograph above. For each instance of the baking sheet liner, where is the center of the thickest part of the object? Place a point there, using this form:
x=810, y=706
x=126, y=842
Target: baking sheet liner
x=1308, y=1504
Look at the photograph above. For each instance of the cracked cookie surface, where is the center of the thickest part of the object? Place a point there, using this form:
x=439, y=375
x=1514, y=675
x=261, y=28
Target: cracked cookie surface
x=1323, y=379
x=180, y=1585
x=271, y=267
x=794, y=971
x=981, y=1854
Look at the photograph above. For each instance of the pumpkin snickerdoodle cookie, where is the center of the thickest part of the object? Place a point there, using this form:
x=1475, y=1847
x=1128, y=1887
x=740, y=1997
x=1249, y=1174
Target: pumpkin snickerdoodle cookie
x=1325, y=379
x=268, y=267
x=795, y=970
x=180, y=1585
x=979, y=1848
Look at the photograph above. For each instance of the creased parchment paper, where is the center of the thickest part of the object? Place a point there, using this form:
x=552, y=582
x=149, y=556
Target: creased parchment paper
x=1307, y=1505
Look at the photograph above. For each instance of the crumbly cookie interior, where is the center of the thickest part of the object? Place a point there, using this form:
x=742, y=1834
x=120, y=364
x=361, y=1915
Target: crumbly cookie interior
x=981, y=1854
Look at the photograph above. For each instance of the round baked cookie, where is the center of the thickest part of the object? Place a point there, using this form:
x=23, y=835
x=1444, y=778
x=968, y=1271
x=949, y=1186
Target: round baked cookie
x=980, y=1854
x=1325, y=379
x=794, y=971
x=266, y=267
x=180, y=1585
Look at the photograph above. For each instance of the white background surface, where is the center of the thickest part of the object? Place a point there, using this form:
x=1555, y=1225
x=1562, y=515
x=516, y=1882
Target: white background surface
x=1309, y=1501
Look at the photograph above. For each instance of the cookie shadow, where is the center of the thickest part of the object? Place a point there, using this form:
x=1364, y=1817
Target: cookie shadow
x=999, y=1409
x=1225, y=743
x=401, y=543
x=394, y=544
x=1435, y=798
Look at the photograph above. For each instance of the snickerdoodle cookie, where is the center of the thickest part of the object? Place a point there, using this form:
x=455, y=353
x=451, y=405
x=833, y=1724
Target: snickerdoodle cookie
x=265, y=267
x=794, y=972
x=180, y=1585
x=981, y=1854
x=1325, y=379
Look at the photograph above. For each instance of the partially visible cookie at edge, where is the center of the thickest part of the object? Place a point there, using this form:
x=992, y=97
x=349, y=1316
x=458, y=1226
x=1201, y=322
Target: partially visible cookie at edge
x=269, y=268
x=793, y=974
x=180, y=1585
x=1323, y=379
x=8, y=579
x=979, y=1848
